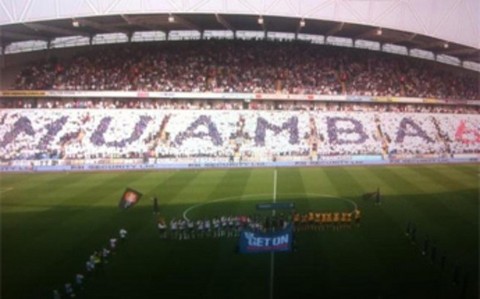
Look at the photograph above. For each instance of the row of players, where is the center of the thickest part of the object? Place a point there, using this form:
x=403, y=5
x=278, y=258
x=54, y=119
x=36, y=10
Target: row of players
x=230, y=226
x=224, y=226
x=96, y=260
x=314, y=220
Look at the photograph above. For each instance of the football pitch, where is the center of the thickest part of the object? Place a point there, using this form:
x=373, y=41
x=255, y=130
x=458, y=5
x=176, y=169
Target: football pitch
x=51, y=223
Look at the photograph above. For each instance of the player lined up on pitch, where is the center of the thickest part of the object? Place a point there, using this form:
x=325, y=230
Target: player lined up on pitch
x=231, y=226
x=217, y=227
x=94, y=263
x=329, y=220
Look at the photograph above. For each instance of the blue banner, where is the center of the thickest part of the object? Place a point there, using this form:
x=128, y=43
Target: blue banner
x=257, y=242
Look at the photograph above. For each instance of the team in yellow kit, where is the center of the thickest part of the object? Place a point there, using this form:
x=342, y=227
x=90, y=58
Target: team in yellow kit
x=320, y=221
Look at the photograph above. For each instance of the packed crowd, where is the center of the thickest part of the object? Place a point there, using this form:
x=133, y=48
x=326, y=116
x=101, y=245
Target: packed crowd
x=222, y=136
x=103, y=103
x=417, y=134
x=250, y=66
x=348, y=133
x=273, y=134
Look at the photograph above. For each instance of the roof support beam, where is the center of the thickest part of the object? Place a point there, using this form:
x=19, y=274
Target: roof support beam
x=100, y=27
x=459, y=51
x=368, y=33
x=57, y=30
x=432, y=45
x=299, y=27
x=475, y=57
x=403, y=38
x=146, y=23
x=21, y=36
x=225, y=23
x=261, y=22
x=186, y=23
x=127, y=19
x=335, y=29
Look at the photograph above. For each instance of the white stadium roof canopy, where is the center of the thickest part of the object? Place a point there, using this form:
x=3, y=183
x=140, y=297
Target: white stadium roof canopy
x=446, y=27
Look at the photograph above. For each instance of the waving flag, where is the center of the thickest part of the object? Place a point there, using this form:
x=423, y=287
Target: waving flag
x=129, y=198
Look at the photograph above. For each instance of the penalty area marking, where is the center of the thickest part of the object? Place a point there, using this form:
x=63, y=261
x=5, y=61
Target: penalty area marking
x=266, y=196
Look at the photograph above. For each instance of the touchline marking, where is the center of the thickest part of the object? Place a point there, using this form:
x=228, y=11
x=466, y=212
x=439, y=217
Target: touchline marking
x=266, y=195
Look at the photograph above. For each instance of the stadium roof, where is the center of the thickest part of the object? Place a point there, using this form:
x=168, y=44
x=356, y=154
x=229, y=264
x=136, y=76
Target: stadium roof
x=450, y=28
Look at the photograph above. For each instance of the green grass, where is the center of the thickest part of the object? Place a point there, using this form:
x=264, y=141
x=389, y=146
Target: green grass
x=51, y=223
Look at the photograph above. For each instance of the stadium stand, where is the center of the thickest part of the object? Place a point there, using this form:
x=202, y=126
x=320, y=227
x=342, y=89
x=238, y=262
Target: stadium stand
x=250, y=66
x=230, y=135
x=364, y=124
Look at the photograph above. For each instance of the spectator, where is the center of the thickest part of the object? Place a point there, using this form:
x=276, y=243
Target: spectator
x=250, y=67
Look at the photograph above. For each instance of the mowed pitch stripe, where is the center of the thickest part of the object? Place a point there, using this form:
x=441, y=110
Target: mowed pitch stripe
x=69, y=228
x=25, y=181
x=290, y=181
x=152, y=184
x=315, y=180
x=428, y=215
x=194, y=189
x=33, y=227
x=340, y=178
x=172, y=190
x=77, y=206
x=60, y=197
x=166, y=269
x=397, y=202
x=451, y=223
x=464, y=173
x=265, y=197
x=451, y=190
x=34, y=190
x=233, y=184
x=441, y=177
x=67, y=223
x=444, y=191
x=469, y=170
x=64, y=188
x=258, y=182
